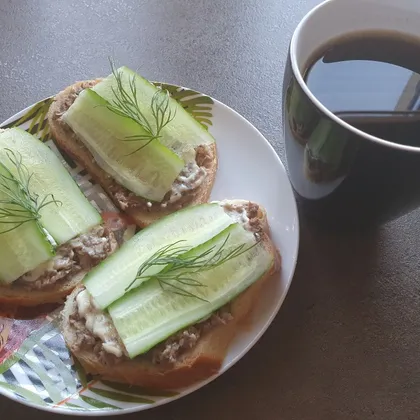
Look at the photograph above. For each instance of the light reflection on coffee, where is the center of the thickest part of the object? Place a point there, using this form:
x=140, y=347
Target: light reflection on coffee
x=371, y=80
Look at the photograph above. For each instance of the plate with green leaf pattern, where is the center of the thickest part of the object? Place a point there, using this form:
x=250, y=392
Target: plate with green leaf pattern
x=36, y=367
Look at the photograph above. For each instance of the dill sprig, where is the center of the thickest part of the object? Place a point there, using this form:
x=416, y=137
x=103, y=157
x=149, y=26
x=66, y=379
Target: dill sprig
x=18, y=204
x=125, y=104
x=181, y=266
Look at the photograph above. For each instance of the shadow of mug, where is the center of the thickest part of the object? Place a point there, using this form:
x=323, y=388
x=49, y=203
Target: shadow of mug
x=345, y=178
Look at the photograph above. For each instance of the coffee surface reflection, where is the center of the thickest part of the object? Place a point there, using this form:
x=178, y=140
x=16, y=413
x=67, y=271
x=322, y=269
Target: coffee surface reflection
x=372, y=81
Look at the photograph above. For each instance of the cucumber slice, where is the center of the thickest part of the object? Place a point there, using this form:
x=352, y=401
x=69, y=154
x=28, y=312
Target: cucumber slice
x=194, y=225
x=75, y=214
x=181, y=135
x=23, y=248
x=150, y=314
x=149, y=172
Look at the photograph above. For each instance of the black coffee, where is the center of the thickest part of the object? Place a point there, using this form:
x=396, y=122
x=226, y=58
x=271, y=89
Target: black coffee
x=372, y=81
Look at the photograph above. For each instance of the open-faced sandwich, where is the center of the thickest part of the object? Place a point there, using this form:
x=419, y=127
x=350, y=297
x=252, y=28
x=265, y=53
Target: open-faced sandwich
x=163, y=309
x=149, y=154
x=50, y=234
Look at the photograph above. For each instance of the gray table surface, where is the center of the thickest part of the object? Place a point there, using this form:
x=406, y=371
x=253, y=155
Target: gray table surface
x=346, y=342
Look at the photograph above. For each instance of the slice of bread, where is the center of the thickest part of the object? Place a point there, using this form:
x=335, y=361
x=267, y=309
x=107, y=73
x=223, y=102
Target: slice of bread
x=201, y=362
x=19, y=295
x=74, y=147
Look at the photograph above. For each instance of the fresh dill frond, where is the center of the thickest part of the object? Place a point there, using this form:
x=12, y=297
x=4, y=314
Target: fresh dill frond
x=125, y=104
x=18, y=203
x=182, y=266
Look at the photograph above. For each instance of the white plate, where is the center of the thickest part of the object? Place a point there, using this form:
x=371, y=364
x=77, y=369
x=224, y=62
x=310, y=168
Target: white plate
x=36, y=368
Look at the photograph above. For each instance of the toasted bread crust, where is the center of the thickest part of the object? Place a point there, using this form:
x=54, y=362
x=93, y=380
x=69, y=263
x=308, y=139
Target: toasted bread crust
x=199, y=363
x=73, y=146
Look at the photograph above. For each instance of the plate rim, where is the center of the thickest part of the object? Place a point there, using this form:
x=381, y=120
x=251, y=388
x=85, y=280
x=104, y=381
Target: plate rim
x=243, y=352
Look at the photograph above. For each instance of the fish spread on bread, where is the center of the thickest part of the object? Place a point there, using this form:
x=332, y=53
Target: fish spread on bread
x=50, y=234
x=191, y=182
x=92, y=336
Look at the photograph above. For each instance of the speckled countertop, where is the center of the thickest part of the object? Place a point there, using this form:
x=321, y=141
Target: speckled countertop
x=346, y=342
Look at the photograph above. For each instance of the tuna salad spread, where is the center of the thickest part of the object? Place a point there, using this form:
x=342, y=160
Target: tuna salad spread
x=80, y=254
x=184, y=188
